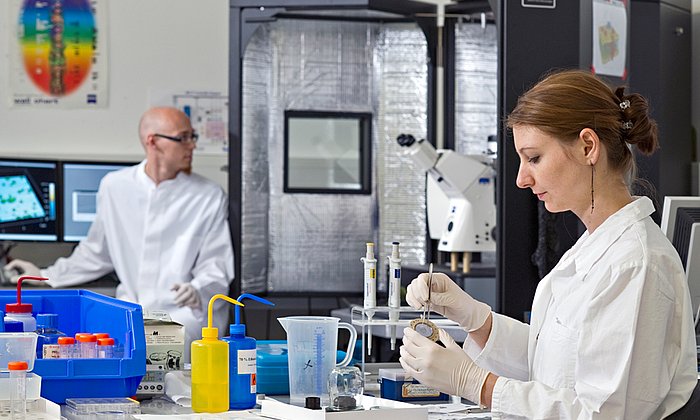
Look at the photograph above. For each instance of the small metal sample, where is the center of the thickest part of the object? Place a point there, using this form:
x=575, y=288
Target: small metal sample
x=426, y=328
x=423, y=325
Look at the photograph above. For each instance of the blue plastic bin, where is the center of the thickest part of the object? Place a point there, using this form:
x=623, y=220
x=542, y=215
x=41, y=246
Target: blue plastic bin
x=85, y=311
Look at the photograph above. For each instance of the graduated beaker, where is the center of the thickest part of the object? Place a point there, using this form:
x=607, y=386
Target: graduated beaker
x=312, y=343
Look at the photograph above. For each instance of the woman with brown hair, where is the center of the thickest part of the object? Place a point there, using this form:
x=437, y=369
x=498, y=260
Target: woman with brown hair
x=611, y=333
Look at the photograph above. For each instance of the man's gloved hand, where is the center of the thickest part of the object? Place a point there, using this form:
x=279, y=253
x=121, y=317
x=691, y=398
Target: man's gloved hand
x=448, y=300
x=447, y=369
x=17, y=268
x=186, y=295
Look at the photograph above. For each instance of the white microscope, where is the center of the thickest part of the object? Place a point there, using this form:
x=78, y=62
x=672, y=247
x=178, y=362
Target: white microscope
x=460, y=197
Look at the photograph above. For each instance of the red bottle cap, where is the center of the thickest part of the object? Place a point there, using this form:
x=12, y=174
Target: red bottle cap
x=105, y=341
x=18, y=308
x=101, y=335
x=18, y=365
x=87, y=338
x=66, y=340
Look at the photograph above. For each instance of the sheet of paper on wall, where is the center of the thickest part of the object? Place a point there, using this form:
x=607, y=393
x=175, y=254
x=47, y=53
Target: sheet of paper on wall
x=208, y=112
x=610, y=38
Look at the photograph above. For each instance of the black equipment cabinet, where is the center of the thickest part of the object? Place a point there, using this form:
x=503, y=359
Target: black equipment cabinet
x=660, y=55
x=532, y=42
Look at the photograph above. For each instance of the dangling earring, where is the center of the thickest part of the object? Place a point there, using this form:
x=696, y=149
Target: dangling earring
x=592, y=199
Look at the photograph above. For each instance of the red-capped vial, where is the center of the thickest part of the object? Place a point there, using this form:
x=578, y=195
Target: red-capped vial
x=18, y=389
x=66, y=347
x=105, y=348
x=88, y=346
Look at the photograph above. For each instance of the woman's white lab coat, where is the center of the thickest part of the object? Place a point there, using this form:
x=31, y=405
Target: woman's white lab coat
x=154, y=236
x=611, y=332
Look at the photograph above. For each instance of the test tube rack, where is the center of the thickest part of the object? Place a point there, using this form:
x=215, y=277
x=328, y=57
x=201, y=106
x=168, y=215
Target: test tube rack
x=370, y=320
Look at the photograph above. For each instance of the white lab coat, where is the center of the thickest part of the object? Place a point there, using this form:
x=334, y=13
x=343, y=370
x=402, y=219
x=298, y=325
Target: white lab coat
x=611, y=332
x=154, y=236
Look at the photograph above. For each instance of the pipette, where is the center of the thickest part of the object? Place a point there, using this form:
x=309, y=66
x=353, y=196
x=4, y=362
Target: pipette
x=370, y=282
x=394, y=288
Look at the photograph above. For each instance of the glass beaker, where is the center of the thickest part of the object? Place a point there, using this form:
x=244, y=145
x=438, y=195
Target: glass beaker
x=312, y=343
x=345, y=385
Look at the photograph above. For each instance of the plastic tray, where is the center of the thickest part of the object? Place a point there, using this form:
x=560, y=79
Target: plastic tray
x=100, y=408
x=85, y=311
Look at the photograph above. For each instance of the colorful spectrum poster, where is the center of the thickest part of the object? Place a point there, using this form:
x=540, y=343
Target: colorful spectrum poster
x=58, y=54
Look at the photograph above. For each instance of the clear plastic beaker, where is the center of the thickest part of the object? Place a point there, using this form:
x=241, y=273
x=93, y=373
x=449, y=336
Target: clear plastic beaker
x=312, y=343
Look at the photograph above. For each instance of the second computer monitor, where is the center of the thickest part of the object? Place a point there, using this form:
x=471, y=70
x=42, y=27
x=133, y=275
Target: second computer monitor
x=80, y=183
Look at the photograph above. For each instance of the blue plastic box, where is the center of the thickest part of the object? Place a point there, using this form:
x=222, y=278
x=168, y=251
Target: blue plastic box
x=85, y=311
x=396, y=385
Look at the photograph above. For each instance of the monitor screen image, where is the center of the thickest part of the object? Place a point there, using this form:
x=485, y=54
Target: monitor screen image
x=81, y=181
x=28, y=200
x=680, y=221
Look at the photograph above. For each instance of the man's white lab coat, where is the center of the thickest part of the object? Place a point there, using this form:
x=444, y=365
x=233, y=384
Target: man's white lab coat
x=154, y=236
x=611, y=332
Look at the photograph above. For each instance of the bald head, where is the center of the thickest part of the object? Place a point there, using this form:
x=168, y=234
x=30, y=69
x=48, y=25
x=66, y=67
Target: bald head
x=160, y=119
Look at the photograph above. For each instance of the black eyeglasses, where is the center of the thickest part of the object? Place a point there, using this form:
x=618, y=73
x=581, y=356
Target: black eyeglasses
x=185, y=138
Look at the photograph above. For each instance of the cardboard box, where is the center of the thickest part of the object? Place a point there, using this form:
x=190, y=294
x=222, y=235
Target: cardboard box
x=165, y=349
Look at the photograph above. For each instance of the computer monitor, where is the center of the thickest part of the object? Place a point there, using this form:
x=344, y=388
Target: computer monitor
x=28, y=200
x=680, y=222
x=79, y=190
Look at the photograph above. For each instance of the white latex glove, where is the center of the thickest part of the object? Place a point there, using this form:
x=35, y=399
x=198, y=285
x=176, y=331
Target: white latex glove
x=186, y=295
x=447, y=369
x=17, y=268
x=449, y=300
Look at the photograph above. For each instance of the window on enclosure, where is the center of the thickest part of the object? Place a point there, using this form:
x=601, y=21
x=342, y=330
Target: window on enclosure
x=327, y=152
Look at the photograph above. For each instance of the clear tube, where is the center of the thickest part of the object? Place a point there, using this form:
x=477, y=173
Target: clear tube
x=105, y=348
x=88, y=346
x=18, y=390
x=66, y=347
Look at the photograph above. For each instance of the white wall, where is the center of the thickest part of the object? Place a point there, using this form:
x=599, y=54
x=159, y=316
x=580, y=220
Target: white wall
x=154, y=44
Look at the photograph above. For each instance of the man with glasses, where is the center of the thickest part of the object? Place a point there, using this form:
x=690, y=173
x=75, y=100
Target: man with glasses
x=161, y=228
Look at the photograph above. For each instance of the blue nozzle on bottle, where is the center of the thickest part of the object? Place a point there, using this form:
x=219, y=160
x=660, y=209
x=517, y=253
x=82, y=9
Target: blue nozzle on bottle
x=237, y=327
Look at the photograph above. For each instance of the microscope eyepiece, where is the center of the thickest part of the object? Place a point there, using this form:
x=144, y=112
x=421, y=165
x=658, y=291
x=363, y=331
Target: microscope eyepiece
x=405, y=140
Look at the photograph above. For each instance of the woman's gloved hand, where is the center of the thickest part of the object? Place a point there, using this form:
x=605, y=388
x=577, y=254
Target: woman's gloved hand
x=447, y=369
x=186, y=295
x=448, y=300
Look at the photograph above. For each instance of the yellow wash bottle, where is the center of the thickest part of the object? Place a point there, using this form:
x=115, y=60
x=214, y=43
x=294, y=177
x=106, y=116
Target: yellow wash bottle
x=210, y=367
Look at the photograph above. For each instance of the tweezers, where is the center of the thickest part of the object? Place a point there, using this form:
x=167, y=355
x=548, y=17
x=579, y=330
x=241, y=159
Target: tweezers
x=426, y=308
